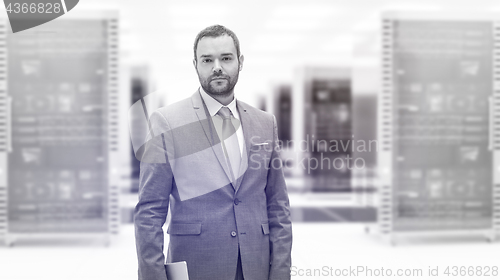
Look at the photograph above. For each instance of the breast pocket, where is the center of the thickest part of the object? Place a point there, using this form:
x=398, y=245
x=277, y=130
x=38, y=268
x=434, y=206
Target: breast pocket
x=265, y=228
x=260, y=155
x=184, y=229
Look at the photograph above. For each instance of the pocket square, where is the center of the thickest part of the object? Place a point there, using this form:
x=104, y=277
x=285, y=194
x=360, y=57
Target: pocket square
x=260, y=144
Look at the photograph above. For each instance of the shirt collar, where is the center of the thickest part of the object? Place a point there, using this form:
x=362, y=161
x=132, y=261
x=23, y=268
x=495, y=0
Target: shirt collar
x=214, y=106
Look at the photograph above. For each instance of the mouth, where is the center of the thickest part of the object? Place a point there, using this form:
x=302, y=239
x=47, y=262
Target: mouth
x=217, y=79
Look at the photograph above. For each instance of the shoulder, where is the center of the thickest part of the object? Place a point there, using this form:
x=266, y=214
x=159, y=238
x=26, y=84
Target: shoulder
x=175, y=108
x=176, y=114
x=256, y=113
x=170, y=117
x=265, y=120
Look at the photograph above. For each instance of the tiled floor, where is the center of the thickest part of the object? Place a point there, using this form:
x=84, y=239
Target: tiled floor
x=316, y=246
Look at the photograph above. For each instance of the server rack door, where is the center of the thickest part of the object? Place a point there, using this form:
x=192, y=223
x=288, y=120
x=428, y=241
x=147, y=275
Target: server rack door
x=4, y=130
x=436, y=105
x=329, y=134
x=59, y=81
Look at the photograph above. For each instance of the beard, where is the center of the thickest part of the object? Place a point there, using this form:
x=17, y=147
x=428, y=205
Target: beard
x=219, y=90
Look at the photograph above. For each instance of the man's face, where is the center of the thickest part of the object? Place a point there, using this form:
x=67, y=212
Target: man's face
x=217, y=65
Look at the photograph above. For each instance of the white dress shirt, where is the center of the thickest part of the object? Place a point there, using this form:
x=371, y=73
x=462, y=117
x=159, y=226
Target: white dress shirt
x=214, y=106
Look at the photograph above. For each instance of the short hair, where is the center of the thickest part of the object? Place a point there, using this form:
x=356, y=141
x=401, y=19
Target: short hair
x=217, y=31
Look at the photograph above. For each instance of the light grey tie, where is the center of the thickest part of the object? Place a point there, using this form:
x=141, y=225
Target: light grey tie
x=230, y=142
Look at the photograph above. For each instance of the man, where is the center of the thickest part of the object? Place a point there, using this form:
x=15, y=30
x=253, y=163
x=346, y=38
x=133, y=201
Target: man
x=215, y=161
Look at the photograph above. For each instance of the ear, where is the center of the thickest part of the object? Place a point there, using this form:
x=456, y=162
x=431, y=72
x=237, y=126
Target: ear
x=242, y=58
x=194, y=63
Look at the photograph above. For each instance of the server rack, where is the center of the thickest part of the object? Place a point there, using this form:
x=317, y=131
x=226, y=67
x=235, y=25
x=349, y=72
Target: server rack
x=364, y=180
x=4, y=133
x=140, y=88
x=60, y=118
x=283, y=112
x=327, y=127
x=439, y=129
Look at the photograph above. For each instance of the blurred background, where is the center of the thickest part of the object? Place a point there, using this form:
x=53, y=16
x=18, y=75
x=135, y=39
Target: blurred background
x=387, y=114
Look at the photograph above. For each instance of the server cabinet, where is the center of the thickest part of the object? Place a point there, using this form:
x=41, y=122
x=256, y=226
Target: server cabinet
x=140, y=87
x=323, y=116
x=438, y=125
x=283, y=112
x=4, y=129
x=60, y=104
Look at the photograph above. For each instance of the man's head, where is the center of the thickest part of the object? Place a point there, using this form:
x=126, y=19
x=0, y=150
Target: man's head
x=217, y=60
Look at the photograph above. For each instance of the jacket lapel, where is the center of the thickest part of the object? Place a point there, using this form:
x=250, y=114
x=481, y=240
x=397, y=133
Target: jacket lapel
x=209, y=129
x=247, y=134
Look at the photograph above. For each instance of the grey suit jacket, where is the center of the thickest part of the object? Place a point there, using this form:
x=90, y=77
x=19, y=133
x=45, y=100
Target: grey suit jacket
x=182, y=165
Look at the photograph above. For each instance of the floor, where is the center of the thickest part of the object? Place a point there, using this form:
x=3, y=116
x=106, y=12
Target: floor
x=319, y=251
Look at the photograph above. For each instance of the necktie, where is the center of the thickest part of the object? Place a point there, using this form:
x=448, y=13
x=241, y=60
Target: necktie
x=230, y=142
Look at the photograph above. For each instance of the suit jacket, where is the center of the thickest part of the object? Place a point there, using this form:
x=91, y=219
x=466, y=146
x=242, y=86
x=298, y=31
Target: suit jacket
x=183, y=165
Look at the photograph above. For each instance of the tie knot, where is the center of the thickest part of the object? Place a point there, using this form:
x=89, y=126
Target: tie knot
x=225, y=112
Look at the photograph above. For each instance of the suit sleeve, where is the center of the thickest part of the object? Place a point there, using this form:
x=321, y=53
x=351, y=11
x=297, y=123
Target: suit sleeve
x=155, y=185
x=278, y=211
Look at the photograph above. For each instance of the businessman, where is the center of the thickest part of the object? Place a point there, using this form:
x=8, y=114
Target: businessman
x=214, y=161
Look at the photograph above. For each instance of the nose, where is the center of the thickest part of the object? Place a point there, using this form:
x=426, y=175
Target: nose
x=217, y=68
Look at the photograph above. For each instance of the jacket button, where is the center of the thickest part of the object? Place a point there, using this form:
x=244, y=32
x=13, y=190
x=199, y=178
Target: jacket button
x=233, y=233
x=236, y=201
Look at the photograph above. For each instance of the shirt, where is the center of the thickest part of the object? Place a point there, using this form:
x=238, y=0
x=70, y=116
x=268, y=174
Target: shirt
x=214, y=106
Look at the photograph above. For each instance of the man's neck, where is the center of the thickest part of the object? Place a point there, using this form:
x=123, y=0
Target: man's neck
x=223, y=99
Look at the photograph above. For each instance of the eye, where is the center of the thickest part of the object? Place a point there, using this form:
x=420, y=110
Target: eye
x=226, y=58
x=206, y=60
